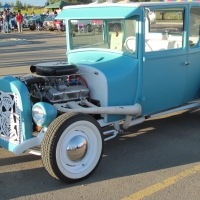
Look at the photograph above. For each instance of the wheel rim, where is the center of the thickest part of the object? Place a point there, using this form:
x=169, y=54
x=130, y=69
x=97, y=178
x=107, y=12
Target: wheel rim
x=79, y=166
x=77, y=148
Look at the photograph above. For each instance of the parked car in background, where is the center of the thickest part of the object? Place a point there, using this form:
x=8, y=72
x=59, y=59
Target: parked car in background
x=26, y=21
x=82, y=25
x=59, y=25
x=35, y=19
x=96, y=26
x=49, y=22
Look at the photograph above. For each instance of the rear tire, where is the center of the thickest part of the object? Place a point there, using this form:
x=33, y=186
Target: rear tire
x=72, y=147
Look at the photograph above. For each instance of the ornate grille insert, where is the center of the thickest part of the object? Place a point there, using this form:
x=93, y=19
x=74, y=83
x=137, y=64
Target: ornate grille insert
x=10, y=118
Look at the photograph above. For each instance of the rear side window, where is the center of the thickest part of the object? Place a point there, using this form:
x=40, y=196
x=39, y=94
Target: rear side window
x=164, y=29
x=194, y=26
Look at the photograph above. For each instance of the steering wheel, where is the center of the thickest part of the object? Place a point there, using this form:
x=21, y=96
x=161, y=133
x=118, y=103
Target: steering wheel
x=148, y=46
x=130, y=44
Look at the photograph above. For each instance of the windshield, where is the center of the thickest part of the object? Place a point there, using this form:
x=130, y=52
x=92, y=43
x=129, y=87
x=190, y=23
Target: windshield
x=114, y=34
x=50, y=18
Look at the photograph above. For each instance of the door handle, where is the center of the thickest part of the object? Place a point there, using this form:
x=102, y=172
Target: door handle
x=187, y=63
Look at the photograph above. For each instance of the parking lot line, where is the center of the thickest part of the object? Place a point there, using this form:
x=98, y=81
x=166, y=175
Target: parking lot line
x=163, y=184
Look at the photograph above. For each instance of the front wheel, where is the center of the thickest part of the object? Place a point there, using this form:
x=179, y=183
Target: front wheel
x=72, y=147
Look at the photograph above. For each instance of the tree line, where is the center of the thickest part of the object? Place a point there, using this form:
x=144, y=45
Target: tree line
x=89, y=1
x=18, y=4
x=26, y=6
x=70, y=1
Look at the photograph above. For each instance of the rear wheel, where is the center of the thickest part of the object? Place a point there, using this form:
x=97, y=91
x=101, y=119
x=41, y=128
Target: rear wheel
x=72, y=147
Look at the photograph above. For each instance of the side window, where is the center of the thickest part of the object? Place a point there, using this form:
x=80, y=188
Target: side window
x=164, y=29
x=122, y=35
x=130, y=36
x=194, y=26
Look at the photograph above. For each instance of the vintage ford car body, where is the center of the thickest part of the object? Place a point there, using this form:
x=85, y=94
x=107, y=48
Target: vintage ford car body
x=134, y=67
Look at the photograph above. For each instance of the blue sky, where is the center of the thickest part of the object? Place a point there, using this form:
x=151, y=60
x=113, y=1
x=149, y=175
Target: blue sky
x=32, y=2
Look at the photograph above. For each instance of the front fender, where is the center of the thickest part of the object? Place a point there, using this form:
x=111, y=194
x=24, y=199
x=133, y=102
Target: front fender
x=15, y=109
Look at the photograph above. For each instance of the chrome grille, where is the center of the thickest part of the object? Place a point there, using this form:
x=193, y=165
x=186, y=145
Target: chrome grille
x=10, y=118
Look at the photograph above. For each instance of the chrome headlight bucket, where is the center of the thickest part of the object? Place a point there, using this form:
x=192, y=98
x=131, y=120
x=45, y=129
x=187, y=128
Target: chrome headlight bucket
x=43, y=113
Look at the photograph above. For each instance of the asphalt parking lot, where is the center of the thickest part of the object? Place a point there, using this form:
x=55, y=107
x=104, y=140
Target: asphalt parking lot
x=156, y=160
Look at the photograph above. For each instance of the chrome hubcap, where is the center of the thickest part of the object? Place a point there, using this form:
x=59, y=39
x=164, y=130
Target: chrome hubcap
x=76, y=148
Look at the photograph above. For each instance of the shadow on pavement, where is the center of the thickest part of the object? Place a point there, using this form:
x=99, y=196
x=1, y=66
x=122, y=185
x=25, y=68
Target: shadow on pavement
x=147, y=147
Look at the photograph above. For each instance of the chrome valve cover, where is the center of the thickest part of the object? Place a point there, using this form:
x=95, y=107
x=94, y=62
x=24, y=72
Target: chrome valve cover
x=66, y=93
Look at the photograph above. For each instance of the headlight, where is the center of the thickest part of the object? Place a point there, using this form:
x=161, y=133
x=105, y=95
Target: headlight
x=43, y=113
x=38, y=114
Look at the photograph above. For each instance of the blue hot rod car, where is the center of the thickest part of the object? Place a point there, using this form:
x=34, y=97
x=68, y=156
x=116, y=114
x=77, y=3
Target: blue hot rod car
x=142, y=62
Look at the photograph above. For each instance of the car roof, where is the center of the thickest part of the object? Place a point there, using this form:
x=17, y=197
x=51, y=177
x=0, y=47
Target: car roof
x=48, y=16
x=111, y=10
x=130, y=4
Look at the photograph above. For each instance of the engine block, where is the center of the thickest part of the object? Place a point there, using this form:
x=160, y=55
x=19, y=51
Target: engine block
x=67, y=93
x=56, y=89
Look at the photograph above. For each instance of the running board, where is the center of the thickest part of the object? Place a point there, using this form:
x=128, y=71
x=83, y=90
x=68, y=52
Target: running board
x=188, y=106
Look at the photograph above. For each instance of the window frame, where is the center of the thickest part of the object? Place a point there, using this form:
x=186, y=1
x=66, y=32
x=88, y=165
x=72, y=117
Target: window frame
x=184, y=32
x=197, y=44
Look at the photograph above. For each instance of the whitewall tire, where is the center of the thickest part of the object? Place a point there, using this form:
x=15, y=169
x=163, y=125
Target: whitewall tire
x=72, y=147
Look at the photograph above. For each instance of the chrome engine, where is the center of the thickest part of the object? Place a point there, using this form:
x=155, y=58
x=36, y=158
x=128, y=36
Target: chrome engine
x=55, y=89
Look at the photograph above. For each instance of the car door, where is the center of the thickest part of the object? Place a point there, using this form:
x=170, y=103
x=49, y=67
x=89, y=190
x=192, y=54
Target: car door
x=164, y=69
x=193, y=64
